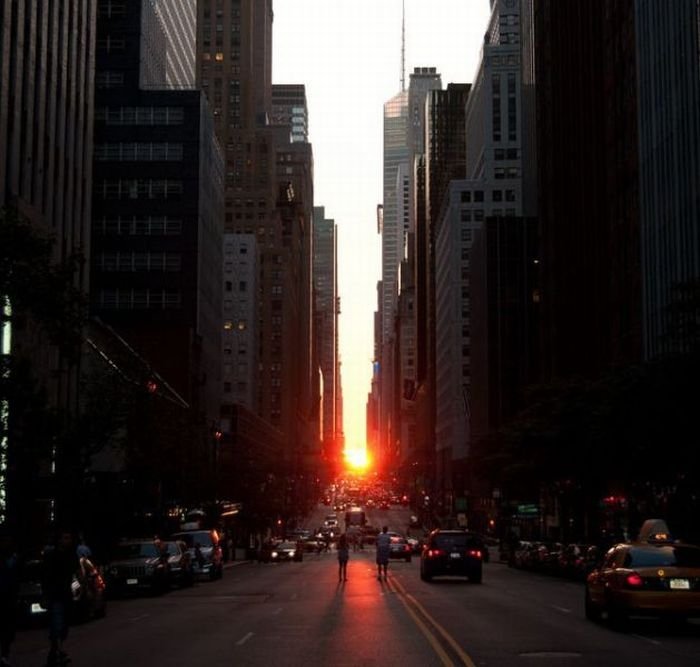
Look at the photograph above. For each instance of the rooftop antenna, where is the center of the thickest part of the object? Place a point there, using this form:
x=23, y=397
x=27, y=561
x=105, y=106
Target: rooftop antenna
x=403, y=46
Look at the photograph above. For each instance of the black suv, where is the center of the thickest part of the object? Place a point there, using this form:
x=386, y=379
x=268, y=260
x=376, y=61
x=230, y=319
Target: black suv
x=452, y=553
x=138, y=565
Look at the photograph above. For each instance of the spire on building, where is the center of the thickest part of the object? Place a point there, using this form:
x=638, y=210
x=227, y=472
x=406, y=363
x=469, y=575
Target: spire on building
x=403, y=45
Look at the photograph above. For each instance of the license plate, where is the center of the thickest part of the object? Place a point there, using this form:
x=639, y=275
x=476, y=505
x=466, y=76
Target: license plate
x=37, y=608
x=455, y=555
x=679, y=584
x=132, y=582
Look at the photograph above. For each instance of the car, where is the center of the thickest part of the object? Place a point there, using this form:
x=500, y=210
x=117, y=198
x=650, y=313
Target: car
x=180, y=562
x=399, y=548
x=451, y=553
x=136, y=565
x=286, y=551
x=416, y=544
x=652, y=576
x=87, y=587
x=205, y=551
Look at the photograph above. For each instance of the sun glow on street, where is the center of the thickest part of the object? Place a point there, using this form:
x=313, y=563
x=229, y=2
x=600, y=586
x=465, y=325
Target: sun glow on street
x=357, y=459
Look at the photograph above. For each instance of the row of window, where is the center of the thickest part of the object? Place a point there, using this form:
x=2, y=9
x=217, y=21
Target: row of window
x=140, y=261
x=506, y=154
x=140, y=115
x=111, y=44
x=107, y=79
x=501, y=173
x=139, y=189
x=139, y=152
x=137, y=299
x=151, y=226
x=111, y=9
x=477, y=215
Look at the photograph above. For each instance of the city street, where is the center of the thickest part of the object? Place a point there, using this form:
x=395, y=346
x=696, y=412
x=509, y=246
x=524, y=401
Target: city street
x=298, y=614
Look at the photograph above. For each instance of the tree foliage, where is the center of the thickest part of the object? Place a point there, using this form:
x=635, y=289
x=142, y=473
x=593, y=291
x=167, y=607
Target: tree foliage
x=39, y=287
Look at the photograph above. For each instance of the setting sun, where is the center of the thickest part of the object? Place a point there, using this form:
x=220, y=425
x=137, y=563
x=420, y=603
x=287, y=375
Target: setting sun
x=356, y=459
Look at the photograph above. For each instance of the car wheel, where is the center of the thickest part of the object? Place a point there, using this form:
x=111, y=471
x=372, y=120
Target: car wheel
x=408, y=559
x=424, y=575
x=591, y=609
x=617, y=618
x=476, y=577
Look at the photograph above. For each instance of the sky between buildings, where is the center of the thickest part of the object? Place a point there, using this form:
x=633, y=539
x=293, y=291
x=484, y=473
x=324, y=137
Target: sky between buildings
x=348, y=54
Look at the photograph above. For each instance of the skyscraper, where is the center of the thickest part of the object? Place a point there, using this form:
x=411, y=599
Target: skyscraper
x=326, y=307
x=668, y=52
x=157, y=232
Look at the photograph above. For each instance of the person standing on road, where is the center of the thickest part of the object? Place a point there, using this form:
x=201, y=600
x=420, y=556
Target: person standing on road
x=59, y=566
x=343, y=557
x=383, y=546
x=9, y=591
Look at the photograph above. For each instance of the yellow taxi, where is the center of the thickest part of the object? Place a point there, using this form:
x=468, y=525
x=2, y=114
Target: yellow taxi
x=653, y=576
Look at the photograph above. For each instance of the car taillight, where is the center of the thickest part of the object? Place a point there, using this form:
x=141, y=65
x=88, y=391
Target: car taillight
x=475, y=553
x=407, y=548
x=434, y=553
x=633, y=580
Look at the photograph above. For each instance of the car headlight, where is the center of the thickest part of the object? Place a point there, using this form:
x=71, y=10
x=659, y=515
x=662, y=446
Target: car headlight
x=292, y=553
x=274, y=554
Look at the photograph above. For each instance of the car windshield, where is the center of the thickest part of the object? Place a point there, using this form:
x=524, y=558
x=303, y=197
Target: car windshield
x=190, y=539
x=287, y=545
x=137, y=550
x=663, y=557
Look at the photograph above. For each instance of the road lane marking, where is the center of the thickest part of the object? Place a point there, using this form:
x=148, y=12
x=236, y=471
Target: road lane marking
x=427, y=633
x=564, y=610
x=138, y=618
x=648, y=639
x=464, y=657
x=243, y=640
x=294, y=596
x=277, y=611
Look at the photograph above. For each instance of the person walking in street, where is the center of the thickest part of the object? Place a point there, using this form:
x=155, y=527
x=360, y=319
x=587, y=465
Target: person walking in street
x=9, y=591
x=59, y=566
x=383, y=546
x=343, y=557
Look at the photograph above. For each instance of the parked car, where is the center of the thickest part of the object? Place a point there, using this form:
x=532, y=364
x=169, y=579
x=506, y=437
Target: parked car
x=88, y=588
x=138, y=565
x=205, y=552
x=451, y=552
x=655, y=577
x=180, y=561
x=399, y=548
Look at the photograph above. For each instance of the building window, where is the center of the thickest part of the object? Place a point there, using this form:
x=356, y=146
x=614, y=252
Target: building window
x=497, y=195
x=466, y=196
x=478, y=195
x=106, y=80
x=111, y=9
x=139, y=152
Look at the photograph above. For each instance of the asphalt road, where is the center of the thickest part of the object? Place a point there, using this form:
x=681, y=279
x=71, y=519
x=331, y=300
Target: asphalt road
x=299, y=614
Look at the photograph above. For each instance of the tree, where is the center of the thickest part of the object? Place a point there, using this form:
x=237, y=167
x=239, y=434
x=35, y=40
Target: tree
x=41, y=303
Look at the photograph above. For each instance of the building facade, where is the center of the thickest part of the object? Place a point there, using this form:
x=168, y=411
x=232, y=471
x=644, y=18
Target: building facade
x=289, y=108
x=157, y=237
x=326, y=308
x=46, y=122
x=668, y=48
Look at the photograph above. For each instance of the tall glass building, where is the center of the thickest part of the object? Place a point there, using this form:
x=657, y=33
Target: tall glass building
x=668, y=53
